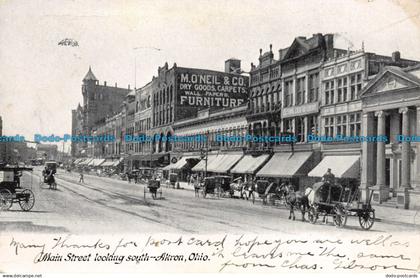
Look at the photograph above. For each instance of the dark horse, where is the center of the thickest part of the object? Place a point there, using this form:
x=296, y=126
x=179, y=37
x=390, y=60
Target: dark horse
x=296, y=200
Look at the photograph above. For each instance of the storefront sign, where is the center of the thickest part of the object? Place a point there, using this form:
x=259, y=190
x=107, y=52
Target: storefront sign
x=211, y=89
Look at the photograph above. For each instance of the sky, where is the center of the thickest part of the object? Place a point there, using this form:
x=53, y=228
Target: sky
x=40, y=81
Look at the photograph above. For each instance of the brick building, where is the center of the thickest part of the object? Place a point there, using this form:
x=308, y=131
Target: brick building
x=99, y=101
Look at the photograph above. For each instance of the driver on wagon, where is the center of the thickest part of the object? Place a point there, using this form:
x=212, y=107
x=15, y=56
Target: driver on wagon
x=328, y=177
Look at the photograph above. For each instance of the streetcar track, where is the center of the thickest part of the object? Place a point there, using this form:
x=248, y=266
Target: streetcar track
x=116, y=208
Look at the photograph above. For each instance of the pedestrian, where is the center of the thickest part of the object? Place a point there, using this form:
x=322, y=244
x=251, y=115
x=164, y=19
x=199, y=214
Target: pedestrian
x=81, y=179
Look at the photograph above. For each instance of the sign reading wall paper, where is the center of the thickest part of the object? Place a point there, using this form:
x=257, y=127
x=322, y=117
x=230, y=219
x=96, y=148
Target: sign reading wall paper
x=202, y=88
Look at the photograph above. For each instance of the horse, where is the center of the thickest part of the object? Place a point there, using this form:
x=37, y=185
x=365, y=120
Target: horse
x=297, y=200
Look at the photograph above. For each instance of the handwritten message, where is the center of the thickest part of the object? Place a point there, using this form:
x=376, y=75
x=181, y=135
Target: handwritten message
x=222, y=253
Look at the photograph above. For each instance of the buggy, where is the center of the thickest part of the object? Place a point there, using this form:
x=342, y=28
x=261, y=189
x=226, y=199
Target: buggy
x=208, y=186
x=48, y=174
x=327, y=199
x=153, y=187
x=268, y=191
x=173, y=179
x=223, y=185
x=11, y=190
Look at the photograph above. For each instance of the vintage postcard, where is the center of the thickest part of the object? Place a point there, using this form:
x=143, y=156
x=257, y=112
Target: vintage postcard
x=209, y=137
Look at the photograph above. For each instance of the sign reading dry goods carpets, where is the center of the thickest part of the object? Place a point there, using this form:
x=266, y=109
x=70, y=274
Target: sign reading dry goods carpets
x=211, y=89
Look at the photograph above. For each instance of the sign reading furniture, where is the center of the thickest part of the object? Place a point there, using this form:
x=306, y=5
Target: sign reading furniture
x=202, y=88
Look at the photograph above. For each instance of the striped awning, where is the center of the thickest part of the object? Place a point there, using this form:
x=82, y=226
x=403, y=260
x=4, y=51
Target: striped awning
x=343, y=166
x=249, y=164
x=285, y=164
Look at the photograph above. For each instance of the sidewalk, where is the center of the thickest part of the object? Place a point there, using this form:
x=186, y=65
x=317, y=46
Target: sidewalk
x=397, y=216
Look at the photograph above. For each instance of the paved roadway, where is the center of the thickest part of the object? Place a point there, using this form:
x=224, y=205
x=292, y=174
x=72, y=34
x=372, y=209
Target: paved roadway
x=105, y=205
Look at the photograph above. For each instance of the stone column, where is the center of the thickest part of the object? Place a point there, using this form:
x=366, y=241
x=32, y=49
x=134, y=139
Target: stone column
x=367, y=161
x=380, y=158
x=380, y=146
x=405, y=152
x=417, y=133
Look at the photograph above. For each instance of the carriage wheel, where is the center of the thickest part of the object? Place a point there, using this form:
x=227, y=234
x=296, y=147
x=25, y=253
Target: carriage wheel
x=27, y=200
x=6, y=199
x=366, y=219
x=340, y=216
x=312, y=215
x=340, y=220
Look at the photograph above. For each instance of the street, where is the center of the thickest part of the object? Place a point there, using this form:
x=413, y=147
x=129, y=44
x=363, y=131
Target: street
x=105, y=205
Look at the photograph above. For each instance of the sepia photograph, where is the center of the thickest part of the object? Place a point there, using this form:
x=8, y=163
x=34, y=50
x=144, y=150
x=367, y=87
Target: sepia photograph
x=209, y=137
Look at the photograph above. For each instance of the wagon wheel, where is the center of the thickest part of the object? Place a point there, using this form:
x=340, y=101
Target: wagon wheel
x=340, y=216
x=6, y=199
x=26, y=200
x=366, y=219
x=312, y=215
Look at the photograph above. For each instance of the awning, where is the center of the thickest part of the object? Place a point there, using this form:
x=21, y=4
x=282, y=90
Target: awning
x=223, y=163
x=285, y=164
x=86, y=162
x=77, y=161
x=97, y=162
x=180, y=163
x=117, y=162
x=201, y=166
x=345, y=166
x=107, y=163
x=249, y=164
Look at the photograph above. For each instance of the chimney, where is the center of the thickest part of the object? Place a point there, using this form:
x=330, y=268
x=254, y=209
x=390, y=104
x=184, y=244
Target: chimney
x=329, y=41
x=105, y=83
x=396, y=56
x=129, y=86
x=260, y=51
x=115, y=84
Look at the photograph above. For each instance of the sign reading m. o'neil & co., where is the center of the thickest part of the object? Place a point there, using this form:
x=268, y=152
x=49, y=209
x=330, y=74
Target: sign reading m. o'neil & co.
x=202, y=88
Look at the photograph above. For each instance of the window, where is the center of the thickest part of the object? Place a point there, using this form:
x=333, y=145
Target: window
x=329, y=92
x=313, y=87
x=341, y=125
x=355, y=85
x=288, y=87
x=300, y=91
x=342, y=89
x=288, y=125
x=354, y=124
x=329, y=126
x=300, y=129
x=312, y=125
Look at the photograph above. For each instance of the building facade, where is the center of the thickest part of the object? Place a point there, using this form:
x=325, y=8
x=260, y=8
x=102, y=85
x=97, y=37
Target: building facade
x=99, y=101
x=391, y=110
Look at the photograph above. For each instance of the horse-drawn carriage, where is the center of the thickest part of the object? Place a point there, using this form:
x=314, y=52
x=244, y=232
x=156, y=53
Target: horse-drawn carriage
x=153, y=187
x=329, y=199
x=48, y=174
x=173, y=180
x=11, y=190
x=206, y=187
x=268, y=191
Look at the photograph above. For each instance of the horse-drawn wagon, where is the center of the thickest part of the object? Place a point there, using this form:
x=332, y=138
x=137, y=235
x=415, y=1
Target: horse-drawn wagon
x=153, y=187
x=11, y=190
x=329, y=199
